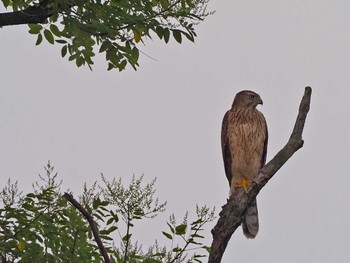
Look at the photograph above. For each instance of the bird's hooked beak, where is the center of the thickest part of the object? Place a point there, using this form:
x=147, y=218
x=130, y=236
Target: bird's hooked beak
x=260, y=101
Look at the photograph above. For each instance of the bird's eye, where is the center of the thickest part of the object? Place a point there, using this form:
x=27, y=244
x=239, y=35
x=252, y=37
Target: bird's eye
x=251, y=96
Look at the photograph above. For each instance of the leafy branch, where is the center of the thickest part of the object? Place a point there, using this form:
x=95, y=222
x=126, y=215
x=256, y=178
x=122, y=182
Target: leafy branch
x=111, y=27
x=189, y=234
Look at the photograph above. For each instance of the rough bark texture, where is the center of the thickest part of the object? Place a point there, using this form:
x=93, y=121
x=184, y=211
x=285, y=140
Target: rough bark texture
x=231, y=214
x=92, y=223
x=31, y=15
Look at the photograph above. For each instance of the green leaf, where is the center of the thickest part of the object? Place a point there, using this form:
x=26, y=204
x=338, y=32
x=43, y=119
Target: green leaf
x=133, y=60
x=110, y=221
x=197, y=222
x=111, y=229
x=190, y=3
x=167, y=235
x=126, y=237
x=95, y=215
x=61, y=41
x=38, y=237
x=96, y=203
x=166, y=34
x=208, y=249
x=35, y=28
x=159, y=31
x=27, y=206
x=103, y=232
x=164, y=3
x=72, y=57
x=177, y=249
x=189, y=36
x=99, y=210
x=49, y=37
x=110, y=66
x=122, y=65
x=197, y=236
x=6, y=3
x=177, y=35
x=64, y=51
x=106, y=237
x=191, y=240
x=104, y=46
x=171, y=228
x=116, y=218
x=180, y=229
x=138, y=212
x=103, y=203
x=54, y=29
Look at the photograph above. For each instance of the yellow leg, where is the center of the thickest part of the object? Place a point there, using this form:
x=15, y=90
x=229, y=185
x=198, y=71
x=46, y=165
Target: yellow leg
x=244, y=184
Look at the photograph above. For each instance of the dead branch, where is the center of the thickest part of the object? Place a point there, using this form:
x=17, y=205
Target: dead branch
x=232, y=212
x=92, y=223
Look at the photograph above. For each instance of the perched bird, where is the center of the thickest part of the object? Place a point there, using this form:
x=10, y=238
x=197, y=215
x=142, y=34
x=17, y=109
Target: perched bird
x=244, y=143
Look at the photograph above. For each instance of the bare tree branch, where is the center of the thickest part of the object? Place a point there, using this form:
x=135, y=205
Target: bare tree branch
x=92, y=223
x=31, y=15
x=232, y=212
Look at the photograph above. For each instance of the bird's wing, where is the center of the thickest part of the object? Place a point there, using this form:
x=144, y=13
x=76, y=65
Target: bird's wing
x=263, y=157
x=225, y=146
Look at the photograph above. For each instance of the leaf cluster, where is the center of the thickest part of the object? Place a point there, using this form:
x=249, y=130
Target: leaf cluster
x=114, y=27
x=187, y=237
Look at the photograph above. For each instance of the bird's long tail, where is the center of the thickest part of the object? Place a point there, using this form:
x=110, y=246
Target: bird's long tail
x=250, y=223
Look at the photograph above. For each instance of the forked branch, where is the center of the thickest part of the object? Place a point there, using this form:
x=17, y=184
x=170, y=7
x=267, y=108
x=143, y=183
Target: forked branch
x=232, y=212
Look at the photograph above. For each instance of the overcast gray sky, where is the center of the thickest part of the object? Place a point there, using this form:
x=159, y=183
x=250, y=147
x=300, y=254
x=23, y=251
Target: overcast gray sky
x=164, y=120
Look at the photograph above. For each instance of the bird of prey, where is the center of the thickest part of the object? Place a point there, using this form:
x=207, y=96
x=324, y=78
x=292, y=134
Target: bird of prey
x=244, y=142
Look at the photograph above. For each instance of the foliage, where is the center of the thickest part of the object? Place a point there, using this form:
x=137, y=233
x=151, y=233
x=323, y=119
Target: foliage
x=189, y=234
x=114, y=26
x=42, y=227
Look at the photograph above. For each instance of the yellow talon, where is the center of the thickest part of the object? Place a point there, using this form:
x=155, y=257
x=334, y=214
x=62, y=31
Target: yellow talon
x=244, y=184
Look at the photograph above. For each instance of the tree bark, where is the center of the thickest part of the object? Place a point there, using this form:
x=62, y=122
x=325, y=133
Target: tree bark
x=230, y=217
x=30, y=15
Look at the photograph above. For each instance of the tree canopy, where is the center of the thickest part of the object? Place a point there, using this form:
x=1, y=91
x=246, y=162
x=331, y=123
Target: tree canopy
x=113, y=27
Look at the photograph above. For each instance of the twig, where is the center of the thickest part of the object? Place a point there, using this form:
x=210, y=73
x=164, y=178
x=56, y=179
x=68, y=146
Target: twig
x=232, y=212
x=92, y=223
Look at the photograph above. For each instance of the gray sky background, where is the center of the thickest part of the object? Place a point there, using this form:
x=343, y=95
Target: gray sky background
x=164, y=121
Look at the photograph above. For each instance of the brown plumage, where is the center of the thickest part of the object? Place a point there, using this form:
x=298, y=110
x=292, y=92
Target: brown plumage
x=244, y=142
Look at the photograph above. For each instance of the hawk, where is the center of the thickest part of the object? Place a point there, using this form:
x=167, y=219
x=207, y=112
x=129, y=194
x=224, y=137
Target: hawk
x=244, y=142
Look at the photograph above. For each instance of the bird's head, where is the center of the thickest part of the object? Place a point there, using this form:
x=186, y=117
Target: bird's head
x=247, y=99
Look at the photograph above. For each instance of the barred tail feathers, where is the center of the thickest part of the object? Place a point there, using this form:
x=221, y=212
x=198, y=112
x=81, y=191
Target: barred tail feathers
x=250, y=223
